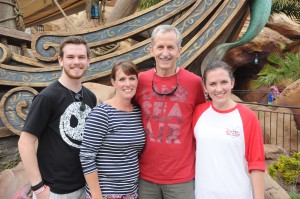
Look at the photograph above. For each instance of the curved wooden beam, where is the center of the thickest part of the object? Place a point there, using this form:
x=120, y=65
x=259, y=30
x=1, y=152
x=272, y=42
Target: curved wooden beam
x=45, y=45
x=15, y=106
x=202, y=26
x=101, y=66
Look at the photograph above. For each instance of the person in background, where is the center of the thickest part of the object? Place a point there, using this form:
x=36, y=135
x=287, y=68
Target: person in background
x=56, y=119
x=271, y=96
x=113, y=138
x=230, y=161
x=168, y=95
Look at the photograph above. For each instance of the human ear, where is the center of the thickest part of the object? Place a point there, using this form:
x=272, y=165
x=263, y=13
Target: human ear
x=60, y=61
x=112, y=82
x=151, y=50
x=232, y=83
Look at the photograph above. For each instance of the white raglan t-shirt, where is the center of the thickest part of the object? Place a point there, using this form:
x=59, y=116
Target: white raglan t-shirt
x=229, y=144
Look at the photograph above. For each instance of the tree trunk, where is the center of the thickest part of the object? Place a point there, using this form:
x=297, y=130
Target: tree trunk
x=123, y=8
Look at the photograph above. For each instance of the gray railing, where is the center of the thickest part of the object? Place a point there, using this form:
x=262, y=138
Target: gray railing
x=252, y=96
x=278, y=124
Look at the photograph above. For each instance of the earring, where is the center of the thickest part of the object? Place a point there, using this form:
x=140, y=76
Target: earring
x=206, y=96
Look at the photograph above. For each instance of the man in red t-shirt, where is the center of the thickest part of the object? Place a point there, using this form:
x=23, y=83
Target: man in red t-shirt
x=168, y=95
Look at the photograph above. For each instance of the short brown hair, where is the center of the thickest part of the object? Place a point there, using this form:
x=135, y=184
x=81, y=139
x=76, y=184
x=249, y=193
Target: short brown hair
x=73, y=40
x=127, y=67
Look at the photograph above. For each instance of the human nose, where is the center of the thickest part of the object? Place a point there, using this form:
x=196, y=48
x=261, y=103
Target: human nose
x=165, y=52
x=76, y=60
x=127, y=82
x=218, y=87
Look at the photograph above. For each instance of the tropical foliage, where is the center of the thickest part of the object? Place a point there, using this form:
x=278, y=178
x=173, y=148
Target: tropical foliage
x=148, y=3
x=289, y=7
x=278, y=70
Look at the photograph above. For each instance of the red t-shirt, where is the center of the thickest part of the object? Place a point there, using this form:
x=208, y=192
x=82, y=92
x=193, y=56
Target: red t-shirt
x=169, y=153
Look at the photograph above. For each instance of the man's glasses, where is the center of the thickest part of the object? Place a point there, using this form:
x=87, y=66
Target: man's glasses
x=164, y=93
x=79, y=98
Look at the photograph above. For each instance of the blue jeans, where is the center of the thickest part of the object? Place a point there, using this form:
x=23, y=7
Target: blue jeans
x=149, y=190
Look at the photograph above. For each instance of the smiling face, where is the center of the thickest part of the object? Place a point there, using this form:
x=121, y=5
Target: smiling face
x=75, y=61
x=165, y=50
x=125, y=84
x=218, y=84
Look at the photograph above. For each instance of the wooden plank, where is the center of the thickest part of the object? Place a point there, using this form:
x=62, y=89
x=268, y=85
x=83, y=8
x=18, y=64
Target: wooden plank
x=110, y=3
x=53, y=13
x=139, y=53
x=16, y=37
x=204, y=33
x=37, y=12
x=210, y=34
x=44, y=45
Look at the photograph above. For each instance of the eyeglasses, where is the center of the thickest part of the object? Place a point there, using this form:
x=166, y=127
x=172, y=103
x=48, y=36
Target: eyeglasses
x=79, y=98
x=164, y=93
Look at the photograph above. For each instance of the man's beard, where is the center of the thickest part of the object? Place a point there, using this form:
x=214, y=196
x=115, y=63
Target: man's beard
x=67, y=72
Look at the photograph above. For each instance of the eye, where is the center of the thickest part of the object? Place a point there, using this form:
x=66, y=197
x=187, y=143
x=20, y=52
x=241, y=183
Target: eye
x=82, y=57
x=224, y=82
x=122, y=79
x=69, y=56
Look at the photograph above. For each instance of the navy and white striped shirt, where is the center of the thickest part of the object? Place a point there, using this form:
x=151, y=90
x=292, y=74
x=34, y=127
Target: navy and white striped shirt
x=112, y=141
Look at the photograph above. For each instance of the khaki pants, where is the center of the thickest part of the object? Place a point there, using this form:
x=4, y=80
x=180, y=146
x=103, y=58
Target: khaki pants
x=149, y=190
x=79, y=194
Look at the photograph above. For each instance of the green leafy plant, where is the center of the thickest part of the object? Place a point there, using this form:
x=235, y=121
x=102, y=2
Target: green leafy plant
x=294, y=196
x=148, y=3
x=280, y=69
x=286, y=170
x=288, y=7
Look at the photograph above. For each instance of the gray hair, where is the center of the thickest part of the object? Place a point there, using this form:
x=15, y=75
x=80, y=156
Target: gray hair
x=166, y=28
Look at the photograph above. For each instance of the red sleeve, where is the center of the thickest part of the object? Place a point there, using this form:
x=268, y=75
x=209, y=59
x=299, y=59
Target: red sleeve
x=201, y=96
x=254, y=148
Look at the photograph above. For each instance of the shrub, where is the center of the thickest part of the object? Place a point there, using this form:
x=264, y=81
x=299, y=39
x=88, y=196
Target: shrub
x=286, y=170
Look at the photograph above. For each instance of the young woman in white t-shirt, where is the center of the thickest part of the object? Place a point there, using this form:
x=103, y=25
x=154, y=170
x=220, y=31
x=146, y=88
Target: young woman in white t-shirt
x=229, y=145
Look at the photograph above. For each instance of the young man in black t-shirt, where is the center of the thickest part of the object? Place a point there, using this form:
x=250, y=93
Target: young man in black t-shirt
x=56, y=119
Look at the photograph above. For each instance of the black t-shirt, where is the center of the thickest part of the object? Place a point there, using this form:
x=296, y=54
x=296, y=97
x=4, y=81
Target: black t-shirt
x=56, y=119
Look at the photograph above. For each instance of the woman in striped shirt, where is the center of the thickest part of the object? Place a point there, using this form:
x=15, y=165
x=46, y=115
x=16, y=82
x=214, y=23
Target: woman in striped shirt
x=113, y=138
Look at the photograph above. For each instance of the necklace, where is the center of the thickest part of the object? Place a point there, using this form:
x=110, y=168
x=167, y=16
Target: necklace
x=78, y=97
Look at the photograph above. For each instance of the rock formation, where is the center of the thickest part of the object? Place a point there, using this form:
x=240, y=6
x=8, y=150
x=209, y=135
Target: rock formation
x=290, y=96
x=275, y=37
